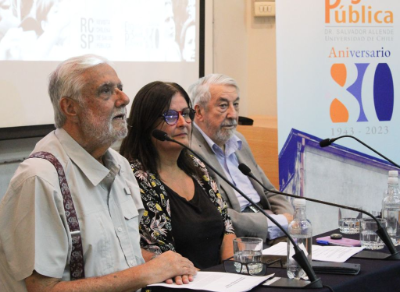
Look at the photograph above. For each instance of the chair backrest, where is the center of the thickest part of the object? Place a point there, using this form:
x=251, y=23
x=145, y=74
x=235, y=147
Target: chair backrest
x=263, y=142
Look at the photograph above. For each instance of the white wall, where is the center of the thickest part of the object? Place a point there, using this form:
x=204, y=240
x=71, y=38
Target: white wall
x=244, y=47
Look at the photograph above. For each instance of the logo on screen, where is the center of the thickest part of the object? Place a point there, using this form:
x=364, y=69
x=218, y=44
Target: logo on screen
x=355, y=13
x=383, y=92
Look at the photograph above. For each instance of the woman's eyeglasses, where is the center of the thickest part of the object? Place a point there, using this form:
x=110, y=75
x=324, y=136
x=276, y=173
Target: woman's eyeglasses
x=253, y=269
x=171, y=116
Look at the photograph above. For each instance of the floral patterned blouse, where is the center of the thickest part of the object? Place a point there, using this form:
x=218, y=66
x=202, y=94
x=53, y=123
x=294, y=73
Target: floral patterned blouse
x=155, y=225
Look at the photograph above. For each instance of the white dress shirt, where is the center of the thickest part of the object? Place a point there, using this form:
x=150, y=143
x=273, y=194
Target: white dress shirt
x=229, y=162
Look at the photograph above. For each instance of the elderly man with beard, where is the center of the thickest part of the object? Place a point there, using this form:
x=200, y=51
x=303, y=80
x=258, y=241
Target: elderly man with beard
x=216, y=102
x=72, y=210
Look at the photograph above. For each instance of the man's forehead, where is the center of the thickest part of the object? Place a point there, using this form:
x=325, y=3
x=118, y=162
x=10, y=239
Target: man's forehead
x=222, y=91
x=100, y=74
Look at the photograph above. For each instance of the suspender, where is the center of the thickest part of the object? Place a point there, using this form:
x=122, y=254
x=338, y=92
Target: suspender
x=76, y=265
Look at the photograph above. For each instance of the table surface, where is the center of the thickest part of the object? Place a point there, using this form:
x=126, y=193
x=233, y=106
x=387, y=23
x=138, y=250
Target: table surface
x=375, y=276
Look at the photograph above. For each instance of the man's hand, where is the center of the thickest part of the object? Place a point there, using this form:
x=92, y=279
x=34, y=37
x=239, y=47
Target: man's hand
x=169, y=265
x=179, y=280
x=176, y=267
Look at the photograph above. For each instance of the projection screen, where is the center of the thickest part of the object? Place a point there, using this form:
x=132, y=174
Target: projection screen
x=146, y=40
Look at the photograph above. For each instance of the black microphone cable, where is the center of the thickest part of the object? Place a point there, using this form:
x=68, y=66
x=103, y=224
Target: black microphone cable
x=328, y=142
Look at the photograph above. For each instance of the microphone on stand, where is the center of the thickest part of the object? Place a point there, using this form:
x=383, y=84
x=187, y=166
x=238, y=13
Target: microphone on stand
x=162, y=136
x=299, y=255
x=327, y=142
x=382, y=233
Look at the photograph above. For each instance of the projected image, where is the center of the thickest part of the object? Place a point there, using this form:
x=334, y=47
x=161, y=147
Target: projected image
x=121, y=30
x=146, y=40
x=188, y=41
x=188, y=33
x=8, y=19
x=39, y=28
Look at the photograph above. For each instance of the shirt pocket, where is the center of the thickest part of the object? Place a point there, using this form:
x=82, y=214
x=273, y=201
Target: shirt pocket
x=131, y=216
x=129, y=210
x=128, y=206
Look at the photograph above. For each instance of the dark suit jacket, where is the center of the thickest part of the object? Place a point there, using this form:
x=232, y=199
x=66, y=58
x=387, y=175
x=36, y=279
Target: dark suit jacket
x=245, y=224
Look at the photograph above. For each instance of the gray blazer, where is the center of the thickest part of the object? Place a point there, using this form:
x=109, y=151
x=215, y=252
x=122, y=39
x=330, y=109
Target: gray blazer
x=245, y=224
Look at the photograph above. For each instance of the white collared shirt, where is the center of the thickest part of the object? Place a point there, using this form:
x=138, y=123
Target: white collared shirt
x=33, y=228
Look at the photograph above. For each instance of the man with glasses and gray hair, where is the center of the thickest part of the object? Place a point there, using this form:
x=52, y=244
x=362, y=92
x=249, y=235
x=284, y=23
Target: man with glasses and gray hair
x=69, y=220
x=215, y=98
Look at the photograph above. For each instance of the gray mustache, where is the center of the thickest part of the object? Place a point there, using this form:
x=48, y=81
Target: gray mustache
x=229, y=123
x=123, y=112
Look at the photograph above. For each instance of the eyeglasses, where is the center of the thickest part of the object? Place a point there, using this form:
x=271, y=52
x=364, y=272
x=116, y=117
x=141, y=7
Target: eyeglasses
x=171, y=116
x=253, y=269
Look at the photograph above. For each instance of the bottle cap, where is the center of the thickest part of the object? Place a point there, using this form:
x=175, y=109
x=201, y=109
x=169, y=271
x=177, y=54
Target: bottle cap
x=393, y=173
x=393, y=180
x=299, y=202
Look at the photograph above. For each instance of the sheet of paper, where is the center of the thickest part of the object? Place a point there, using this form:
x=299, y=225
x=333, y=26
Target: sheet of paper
x=277, y=249
x=220, y=282
x=271, y=281
x=338, y=254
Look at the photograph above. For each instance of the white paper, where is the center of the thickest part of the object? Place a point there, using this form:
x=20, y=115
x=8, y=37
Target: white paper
x=271, y=281
x=277, y=249
x=220, y=282
x=337, y=254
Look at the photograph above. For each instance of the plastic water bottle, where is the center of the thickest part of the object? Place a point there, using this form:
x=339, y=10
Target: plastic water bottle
x=392, y=173
x=301, y=231
x=391, y=209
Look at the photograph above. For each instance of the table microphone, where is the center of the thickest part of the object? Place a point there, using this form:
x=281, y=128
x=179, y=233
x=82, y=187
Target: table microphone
x=327, y=142
x=299, y=255
x=382, y=233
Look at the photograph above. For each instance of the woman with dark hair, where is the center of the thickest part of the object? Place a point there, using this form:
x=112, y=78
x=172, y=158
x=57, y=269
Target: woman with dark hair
x=184, y=210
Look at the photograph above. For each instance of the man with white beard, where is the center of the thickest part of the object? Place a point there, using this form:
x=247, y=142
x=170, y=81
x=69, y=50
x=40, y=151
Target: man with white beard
x=215, y=98
x=72, y=210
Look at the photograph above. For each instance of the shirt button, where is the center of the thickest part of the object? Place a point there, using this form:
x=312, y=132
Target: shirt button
x=131, y=263
x=119, y=229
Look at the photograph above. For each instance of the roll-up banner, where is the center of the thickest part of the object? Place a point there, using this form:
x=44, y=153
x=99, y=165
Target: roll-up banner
x=338, y=71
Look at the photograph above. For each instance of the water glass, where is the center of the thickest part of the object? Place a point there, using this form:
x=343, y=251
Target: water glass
x=248, y=251
x=368, y=237
x=349, y=221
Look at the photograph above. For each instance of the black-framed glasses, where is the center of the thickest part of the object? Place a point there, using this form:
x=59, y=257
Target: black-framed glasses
x=171, y=116
x=253, y=269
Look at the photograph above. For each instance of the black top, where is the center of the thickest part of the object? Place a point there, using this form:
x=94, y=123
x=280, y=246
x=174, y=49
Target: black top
x=197, y=227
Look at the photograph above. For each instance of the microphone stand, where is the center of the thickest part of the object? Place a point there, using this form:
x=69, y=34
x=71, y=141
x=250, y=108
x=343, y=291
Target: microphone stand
x=327, y=142
x=299, y=255
x=382, y=233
